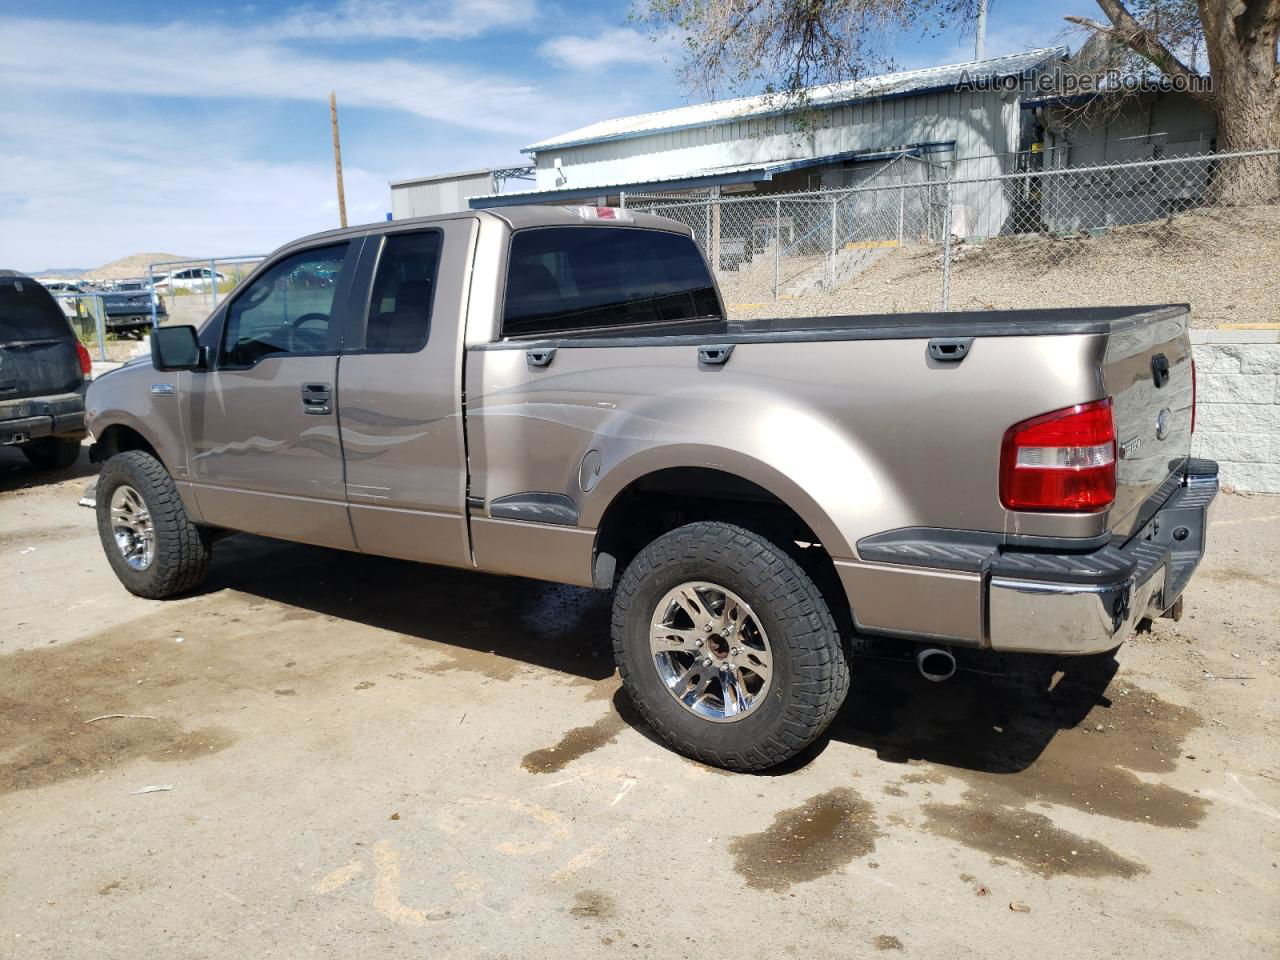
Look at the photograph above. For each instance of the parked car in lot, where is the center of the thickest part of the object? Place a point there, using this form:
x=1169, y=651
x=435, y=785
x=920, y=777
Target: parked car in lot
x=557, y=393
x=127, y=306
x=195, y=279
x=43, y=368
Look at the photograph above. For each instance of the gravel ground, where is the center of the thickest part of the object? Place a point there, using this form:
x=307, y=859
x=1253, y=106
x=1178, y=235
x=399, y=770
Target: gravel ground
x=1221, y=261
x=327, y=755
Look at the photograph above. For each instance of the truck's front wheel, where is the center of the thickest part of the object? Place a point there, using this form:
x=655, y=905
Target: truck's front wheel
x=727, y=647
x=150, y=542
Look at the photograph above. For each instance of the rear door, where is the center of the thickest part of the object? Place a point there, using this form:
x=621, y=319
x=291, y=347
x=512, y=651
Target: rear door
x=265, y=451
x=1147, y=372
x=37, y=346
x=400, y=396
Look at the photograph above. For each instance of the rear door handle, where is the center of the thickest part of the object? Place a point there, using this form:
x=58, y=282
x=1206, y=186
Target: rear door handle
x=540, y=356
x=317, y=398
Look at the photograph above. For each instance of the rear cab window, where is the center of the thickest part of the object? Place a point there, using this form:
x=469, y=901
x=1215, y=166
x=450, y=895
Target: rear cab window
x=29, y=312
x=579, y=279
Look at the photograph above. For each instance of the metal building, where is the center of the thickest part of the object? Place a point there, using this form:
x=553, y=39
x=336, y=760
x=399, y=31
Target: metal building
x=440, y=193
x=968, y=113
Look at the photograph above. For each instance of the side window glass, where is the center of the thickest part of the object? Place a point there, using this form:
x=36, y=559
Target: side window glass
x=403, y=290
x=286, y=311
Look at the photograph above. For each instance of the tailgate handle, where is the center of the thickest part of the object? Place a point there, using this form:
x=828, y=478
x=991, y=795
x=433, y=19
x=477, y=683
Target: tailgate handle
x=1160, y=370
x=541, y=357
x=949, y=349
x=715, y=356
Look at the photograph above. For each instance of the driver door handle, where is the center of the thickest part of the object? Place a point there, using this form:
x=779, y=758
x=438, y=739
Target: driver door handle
x=317, y=398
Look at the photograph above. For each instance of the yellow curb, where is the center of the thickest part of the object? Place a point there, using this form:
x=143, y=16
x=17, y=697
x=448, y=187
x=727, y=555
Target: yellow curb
x=871, y=244
x=1249, y=326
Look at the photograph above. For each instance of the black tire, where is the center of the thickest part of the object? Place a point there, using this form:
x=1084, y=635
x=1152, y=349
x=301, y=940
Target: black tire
x=181, y=548
x=52, y=453
x=810, y=674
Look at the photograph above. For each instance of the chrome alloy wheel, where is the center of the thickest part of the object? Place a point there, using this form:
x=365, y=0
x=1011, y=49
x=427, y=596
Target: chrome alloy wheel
x=132, y=528
x=710, y=651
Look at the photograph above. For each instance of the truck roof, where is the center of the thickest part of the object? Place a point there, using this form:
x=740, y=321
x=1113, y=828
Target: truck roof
x=517, y=217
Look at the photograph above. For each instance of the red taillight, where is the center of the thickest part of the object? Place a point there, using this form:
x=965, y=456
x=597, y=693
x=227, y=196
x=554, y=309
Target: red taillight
x=1064, y=460
x=1193, y=396
x=86, y=362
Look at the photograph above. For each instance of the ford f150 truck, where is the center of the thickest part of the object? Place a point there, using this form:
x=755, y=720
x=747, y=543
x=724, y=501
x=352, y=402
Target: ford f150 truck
x=557, y=393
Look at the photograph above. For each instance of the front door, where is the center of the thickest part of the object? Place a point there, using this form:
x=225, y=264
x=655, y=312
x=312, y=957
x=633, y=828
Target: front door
x=266, y=456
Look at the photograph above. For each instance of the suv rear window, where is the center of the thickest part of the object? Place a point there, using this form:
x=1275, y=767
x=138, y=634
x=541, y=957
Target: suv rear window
x=29, y=312
x=567, y=279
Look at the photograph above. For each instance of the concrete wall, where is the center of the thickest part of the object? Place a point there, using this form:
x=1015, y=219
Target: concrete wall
x=1238, y=408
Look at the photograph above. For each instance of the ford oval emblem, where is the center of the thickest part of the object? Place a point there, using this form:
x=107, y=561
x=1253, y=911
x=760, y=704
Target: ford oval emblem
x=1163, y=419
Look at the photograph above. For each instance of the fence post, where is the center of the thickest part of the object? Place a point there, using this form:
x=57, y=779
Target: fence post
x=706, y=232
x=100, y=325
x=831, y=280
x=213, y=281
x=946, y=245
x=622, y=199
x=777, y=244
x=151, y=286
x=714, y=239
x=902, y=210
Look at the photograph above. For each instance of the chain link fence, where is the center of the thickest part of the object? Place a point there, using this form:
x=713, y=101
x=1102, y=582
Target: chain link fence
x=1002, y=232
x=187, y=291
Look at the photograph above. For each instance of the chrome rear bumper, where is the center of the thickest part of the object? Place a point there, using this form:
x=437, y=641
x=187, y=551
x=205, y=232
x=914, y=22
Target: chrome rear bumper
x=1100, y=602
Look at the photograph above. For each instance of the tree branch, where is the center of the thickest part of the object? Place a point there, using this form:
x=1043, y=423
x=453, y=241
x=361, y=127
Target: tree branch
x=1127, y=31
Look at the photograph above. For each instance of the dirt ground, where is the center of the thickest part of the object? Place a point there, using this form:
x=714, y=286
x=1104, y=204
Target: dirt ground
x=331, y=755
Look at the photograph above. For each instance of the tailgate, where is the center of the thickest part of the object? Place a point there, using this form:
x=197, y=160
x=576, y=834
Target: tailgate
x=1147, y=372
x=37, y=368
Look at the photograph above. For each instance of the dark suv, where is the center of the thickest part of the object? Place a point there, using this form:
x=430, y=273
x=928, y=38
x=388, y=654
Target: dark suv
x=43, y=368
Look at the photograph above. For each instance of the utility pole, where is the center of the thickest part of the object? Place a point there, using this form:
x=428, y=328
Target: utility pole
x=980, y=40
x=337, y=158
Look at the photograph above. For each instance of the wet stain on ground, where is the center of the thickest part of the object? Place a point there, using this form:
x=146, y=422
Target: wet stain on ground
x=575, y=744
x=1239, y=575
x=892, y=791
x=47, y=697
x=809, y=841
x=1064, y=734
x=592, y=905
x=1031, y=839
x=886, y=942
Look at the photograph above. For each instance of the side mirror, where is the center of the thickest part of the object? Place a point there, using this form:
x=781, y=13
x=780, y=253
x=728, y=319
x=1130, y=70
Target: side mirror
x=176, y=348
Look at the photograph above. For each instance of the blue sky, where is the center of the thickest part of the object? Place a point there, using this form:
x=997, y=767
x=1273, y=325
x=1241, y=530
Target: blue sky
x=203, y=129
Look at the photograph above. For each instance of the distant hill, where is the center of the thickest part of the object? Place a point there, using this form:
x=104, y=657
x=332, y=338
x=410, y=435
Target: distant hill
x=134, y=265
x=68, y=272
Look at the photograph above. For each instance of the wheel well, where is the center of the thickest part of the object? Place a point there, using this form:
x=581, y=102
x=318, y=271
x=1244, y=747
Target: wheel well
x=662, y=501
x=117, y=439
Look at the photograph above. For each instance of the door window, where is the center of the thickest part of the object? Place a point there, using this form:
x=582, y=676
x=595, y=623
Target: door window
x=287, y=311
x=403, y=291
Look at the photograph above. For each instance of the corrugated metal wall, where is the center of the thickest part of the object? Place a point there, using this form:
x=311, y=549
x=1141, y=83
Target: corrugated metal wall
x=982, y=124
x=424, y=198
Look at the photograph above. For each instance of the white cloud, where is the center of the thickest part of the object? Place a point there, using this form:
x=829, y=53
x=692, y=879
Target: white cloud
x=608, y=48
x=404, y=19
x=181, y=61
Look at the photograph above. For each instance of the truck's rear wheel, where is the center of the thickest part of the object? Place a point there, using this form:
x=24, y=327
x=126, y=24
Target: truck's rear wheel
x=727, y=647
x=150, y=542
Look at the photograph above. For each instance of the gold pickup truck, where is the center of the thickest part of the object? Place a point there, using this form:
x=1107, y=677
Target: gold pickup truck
x=556, y=392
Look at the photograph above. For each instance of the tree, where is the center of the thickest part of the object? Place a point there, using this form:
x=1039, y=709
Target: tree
x=783, y=47
x=1239, y=38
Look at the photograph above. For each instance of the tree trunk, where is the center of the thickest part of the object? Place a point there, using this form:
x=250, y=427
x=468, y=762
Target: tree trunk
x=1248, y=115
x=1246, y=97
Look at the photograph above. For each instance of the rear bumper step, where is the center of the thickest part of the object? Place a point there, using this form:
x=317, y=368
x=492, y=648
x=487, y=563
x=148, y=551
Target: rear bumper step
x=1089, y=603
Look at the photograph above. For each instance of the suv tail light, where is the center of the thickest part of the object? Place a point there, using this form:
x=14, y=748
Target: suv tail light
x=1061, y=461
x=86, y=362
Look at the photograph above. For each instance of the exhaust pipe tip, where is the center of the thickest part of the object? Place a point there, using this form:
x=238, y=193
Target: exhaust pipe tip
x=935, y=663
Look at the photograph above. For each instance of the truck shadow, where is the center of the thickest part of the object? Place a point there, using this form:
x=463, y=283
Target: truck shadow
x=17, y=474
x=998, y=720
